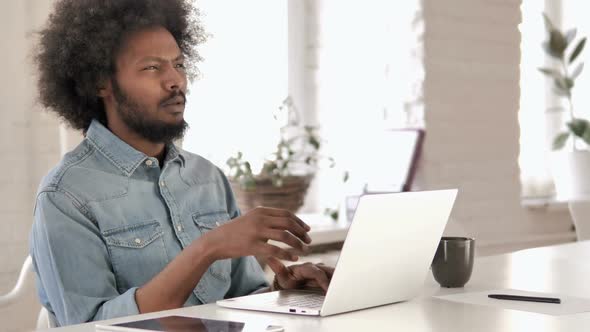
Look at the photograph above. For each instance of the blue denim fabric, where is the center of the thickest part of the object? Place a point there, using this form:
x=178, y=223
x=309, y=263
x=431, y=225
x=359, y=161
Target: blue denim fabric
x=108, y=219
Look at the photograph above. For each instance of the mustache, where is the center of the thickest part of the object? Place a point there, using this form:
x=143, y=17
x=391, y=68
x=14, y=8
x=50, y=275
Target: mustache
x=172, y=96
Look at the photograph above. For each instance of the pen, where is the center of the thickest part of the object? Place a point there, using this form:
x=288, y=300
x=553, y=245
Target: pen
x=525, y=298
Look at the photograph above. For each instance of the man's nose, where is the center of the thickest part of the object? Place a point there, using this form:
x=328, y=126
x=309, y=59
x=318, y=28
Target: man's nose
x=174, y=80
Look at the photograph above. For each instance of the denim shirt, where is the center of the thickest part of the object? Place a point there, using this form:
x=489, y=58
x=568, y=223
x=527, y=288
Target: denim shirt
x=108, y=218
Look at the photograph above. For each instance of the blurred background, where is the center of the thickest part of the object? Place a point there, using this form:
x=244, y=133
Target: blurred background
x=462, y=71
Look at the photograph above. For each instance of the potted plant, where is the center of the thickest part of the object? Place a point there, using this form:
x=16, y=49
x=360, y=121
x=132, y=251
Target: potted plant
x=287, y=173
x=572, y=166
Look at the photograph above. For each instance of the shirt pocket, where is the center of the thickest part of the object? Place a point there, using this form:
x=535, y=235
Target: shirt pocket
x=206, y=222
x=137, y=251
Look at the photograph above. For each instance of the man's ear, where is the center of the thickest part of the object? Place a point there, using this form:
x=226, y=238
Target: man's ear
x=105, y=89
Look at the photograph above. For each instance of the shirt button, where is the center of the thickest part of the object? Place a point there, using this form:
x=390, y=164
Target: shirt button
x=149, y=162
x=138, y=241
x=179, y=228
x=162, y=183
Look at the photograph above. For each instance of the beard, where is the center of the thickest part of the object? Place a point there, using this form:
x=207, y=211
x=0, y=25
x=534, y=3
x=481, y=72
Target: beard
x=151, y=129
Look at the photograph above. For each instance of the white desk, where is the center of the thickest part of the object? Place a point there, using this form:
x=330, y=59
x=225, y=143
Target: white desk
x=561, y=269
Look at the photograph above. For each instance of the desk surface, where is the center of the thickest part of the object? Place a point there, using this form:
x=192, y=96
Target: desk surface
x=562, y=269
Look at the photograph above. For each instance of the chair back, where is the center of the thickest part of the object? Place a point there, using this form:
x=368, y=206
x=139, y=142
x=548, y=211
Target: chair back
x=18, y=291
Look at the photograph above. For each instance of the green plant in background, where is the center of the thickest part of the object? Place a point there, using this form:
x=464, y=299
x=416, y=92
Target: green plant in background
x=561, y=47
x=241, y=171
x=296, y=154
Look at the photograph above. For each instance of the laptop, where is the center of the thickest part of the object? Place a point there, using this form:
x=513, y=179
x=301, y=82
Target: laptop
x=385, y=258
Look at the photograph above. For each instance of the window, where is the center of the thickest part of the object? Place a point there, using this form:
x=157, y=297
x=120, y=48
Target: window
x=574, y=16
x=243, y=80
x=354, y=72
x=539, y=120
x=534, y=139
x=369, y=80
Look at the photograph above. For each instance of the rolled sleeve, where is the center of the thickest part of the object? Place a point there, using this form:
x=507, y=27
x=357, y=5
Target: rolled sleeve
x=72, y=264
x=124, y=303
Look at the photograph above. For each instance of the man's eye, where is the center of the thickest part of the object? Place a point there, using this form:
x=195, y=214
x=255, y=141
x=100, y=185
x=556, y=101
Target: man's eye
x=151, y=68
x=180, y=65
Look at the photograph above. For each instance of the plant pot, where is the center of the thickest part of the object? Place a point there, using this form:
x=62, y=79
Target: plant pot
x=290, y=196
x=571, y=174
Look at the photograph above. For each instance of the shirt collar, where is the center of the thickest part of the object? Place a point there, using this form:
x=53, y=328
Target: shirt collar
x=174, y=153
x=121, y=154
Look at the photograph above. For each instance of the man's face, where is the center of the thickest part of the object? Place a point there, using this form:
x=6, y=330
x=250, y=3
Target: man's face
x=150, y=84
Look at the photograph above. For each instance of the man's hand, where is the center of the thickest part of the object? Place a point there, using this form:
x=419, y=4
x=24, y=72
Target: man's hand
x=248, y=235
x=301, y=276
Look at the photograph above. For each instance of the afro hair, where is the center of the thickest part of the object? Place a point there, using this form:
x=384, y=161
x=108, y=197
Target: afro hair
x=78, y=46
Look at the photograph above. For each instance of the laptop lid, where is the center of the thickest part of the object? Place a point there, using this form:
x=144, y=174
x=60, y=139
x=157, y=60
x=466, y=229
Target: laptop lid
x=388, y=249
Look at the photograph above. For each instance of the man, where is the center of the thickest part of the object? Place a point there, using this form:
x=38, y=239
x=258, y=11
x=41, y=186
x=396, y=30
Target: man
x=128, y=223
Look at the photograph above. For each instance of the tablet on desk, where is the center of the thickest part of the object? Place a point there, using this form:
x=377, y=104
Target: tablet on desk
x=175, y=324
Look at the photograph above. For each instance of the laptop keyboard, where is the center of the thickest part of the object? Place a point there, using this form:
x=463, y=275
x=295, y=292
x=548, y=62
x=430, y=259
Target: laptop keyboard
x=301, y=300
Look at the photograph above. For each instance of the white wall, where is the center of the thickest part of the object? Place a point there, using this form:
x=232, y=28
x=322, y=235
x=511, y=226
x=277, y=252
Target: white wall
x=471, y=106
x=29, y=145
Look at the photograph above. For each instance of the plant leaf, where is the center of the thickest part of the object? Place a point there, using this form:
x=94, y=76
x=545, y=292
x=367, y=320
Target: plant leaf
x=548, y=24
x=570, y=35
x=586, y=136
x=578, y=49
x=333, y=213
x=559, y=141
x=557, y=43
x=309, y=129
x=578, y=70
x=547, y=49
x=270, y=166
x=551, y=72
x=561, y=85
x=314, y=142
x=578, y=126
x=565, y=84
x=332, y=162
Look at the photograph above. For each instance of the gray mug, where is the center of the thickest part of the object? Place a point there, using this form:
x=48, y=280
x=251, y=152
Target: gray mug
x=453, y=262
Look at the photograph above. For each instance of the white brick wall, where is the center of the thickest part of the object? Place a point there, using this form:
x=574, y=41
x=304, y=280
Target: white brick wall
x=29, y=145
x=471, y=104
